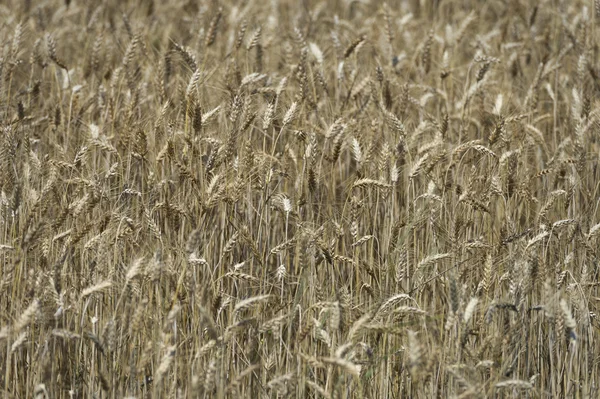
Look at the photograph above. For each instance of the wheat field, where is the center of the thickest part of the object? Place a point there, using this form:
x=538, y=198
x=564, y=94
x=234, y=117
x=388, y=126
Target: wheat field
x=299, y=199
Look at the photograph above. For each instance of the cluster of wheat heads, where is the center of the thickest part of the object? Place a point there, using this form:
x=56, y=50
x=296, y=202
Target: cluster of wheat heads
x=345, y=199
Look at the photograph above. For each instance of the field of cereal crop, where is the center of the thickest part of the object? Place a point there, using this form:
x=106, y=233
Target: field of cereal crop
x=299, y=199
